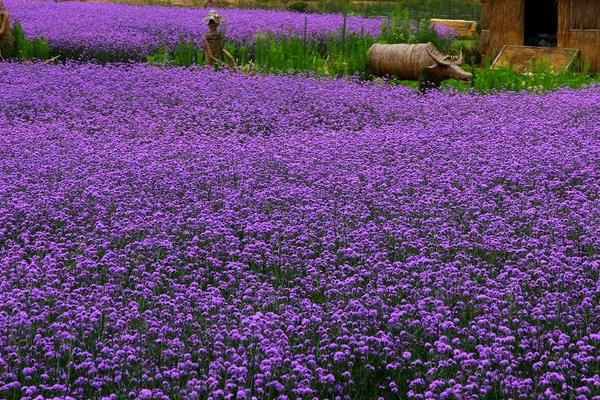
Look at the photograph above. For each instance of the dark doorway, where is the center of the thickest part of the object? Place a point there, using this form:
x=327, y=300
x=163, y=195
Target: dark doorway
x=541, y=22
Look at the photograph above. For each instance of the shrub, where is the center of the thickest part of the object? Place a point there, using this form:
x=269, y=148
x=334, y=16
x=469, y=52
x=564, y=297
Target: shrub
x=184, y=53
x=335, y=6
x=41, y=49
x=25, y=49
x=299, y=6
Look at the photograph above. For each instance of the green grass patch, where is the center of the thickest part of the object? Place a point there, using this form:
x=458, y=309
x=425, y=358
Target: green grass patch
x=25, y=49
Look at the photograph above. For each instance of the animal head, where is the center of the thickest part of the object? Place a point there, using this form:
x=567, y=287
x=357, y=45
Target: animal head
x=444, y=66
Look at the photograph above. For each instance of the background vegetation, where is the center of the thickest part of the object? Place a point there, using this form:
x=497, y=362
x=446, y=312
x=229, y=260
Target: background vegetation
x=25, y=49
x=346, y=55
x=337, y=55
x=462, y=9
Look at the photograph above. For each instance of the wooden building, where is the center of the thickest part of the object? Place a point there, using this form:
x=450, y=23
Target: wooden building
x=546, y=23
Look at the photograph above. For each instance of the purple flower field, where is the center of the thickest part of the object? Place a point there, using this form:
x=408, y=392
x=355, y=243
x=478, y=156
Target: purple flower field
x=188, y=234
x=137, y=30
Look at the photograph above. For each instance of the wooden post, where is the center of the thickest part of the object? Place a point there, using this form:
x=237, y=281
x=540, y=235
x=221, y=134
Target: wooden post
x=485, y=27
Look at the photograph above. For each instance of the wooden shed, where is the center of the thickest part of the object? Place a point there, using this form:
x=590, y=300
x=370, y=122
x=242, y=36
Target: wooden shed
x=545, y=23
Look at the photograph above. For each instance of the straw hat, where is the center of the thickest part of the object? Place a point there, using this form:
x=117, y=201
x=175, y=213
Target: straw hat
x=213, y=16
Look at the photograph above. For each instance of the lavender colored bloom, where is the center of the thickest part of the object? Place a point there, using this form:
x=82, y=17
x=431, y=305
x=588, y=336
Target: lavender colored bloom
x=140, y=30
x=204, y=234
x=444, y=31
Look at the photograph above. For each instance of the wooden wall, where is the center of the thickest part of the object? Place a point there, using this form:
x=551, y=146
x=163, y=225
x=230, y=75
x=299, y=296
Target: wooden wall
x=502, y=22
x=579, y=28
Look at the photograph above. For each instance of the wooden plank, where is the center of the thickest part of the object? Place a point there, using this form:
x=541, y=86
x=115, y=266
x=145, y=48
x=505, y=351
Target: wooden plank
x=464, y=29
x=523, y=58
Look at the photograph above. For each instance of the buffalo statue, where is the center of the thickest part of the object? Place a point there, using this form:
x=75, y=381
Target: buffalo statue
x=422, y=62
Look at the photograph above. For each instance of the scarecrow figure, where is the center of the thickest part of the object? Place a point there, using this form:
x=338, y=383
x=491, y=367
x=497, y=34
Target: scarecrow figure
x=214, y=42
x=5, y=33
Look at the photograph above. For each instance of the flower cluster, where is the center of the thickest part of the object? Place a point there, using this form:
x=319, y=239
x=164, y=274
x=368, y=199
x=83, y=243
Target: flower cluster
x=139, y=30
x=444, y=31
x=198, y=234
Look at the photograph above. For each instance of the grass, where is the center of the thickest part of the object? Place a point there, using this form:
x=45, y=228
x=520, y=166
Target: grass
x=541, y=78
x=333, y=56
x=420, y=9
x=345, y=55
x=400, y=27
x=330, y=57
x=337, y=55
x=25, y=49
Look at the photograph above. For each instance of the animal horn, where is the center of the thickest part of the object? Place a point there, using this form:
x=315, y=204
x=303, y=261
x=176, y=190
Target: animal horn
x=437, y=56
x=461, y=58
